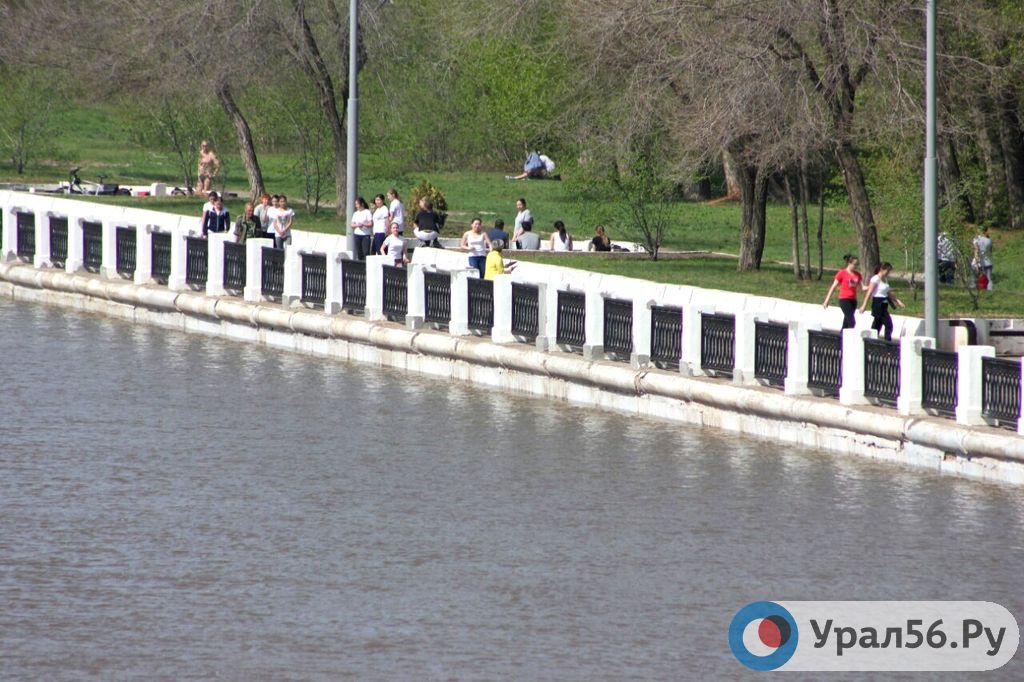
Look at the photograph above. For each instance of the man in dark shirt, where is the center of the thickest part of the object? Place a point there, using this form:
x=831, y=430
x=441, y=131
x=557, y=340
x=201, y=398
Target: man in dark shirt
x=498, y=232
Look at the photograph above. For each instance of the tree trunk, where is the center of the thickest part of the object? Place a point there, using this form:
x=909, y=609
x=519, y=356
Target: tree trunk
x=821, y=225
x=754, y=195
x=793, y=214
x=992, y=156
x=733, y=181
x=1012, y=140
x=952, y=179
x=860, y=205
x=805, y=198
x=245, y=143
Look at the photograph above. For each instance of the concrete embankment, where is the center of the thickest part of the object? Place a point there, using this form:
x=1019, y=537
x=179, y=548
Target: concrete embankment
x=763, y=413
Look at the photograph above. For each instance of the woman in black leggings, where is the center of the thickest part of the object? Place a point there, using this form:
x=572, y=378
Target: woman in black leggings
x=847, y=280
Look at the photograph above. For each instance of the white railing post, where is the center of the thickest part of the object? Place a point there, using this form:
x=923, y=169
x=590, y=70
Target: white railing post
x=333, y=299
x=851, y=387
x=179, y=254
x=416, y=296
x=144, y=253
x=908, y=402
x=501, y=332
x=292, y=289
x=798, y=358
x=375, y=286
x=969, y=383
x=689, y=362
x=215, y=262
x=459, y=324
x=108, y=266
x=10, y=234
x=547, y=316
x=42, y=257
x=253, y=291
x=593, y=323
x=641, y=356
x=1020, y=418
x=745, y=336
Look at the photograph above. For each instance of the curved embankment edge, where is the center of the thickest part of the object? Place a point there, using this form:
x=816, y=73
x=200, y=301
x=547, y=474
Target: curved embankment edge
x=763, y=413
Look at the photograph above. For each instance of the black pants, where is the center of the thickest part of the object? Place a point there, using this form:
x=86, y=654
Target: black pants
x=882, y=318
x=849, y=307
x=362, y=246
x=378, y=241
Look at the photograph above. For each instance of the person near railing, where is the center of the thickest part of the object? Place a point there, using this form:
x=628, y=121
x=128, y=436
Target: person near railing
x=262, y=213
x=282, y=224
x=476, y=242
x=216, y=220
x=394, y=246
x=495, y=264
x=428, y=225
x=561, y=240
x=527, y=239
x=380, y=224
x=248, y=225
x=396, y=210
x=847, y=281
x=362, y=223
x=498, y=231
x=881, y=296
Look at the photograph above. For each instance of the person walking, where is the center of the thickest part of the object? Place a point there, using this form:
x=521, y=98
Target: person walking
x=396, y=210
x=476, y=242
x=362, y=224
x=208, y=167
x=983, y=259
x=881, y=296
x=380, y=224
x=560, y=240
x=847, y=281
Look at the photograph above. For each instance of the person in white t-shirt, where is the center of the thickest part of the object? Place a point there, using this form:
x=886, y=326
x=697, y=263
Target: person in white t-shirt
x=362, y=225
x=880, y=296
x=380, y=224
x=983, y=256
x=283, y=223
x=523, y=215
x=263, y=216
x=394, y=245
x=275, y=202
x=396, y=209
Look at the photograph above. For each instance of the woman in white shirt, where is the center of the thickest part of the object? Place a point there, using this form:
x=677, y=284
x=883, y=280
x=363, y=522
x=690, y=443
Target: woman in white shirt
x=560, y=239
x=362, y=223
x=396, y=209
x=523, y=215
x=880, y=296
x=380, y=224
x=476, y=242
x=394, y=246
x=283, y=223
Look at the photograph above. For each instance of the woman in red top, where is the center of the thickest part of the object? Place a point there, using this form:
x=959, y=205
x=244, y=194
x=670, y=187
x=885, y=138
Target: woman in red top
x=848, y=280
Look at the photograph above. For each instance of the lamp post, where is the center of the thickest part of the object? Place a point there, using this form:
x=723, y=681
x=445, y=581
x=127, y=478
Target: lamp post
x=931, y=288
x=352, y=157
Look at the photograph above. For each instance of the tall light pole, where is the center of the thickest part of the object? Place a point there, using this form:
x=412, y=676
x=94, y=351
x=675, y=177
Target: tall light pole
x=352, y=159
x=931, y=202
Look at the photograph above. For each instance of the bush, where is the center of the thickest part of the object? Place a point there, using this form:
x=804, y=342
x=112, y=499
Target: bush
x=435, y=196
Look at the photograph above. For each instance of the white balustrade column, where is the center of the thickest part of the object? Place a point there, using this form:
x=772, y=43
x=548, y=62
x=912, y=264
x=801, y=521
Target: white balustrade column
x=253, y=291
x=1020, y=419
x=744, y=346
x=292, y=289
x=851, y=387
x=689, y=362
x=76, y=242
x=459, y=324
x=215, y=262
x=334, y=297
x=593, y=323
x=42, y=257
x=108, y=266
x=968, y=383
x=10, y=234
x=908, y=402
x=798, y=358
x=501, y=332
x=144, y=253
x=176, y=280
x=416, y=296
x=547, y=316
x=641, y=356
x=375, y=286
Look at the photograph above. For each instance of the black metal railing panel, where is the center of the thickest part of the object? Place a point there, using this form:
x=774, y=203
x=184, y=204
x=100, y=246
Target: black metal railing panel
x=618, y=327
x=125, y=243
x=1000, y=390
x=58, y=241
x=396, y=292
x=525, y=310
x=570, y=329
x=666, y=335
x=437, y=294
x=314, y=279
x=234, y=266
x=717, y=342
x=272, y=266
x=353, y=285
x=26, y=226
x=882, y=370
x=160, y=252
x=92, y=246
x=196, y=261
x=771, y=350
x=939, y=374
x=825, y=361
x=481, y=304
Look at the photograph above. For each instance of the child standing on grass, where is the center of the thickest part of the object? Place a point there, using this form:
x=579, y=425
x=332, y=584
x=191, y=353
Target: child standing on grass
x=880, y=296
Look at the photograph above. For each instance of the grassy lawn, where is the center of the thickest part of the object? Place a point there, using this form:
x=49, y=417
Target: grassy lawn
x=95, y=139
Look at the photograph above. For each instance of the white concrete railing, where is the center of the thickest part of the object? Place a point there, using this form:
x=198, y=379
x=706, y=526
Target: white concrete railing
x=694, y=303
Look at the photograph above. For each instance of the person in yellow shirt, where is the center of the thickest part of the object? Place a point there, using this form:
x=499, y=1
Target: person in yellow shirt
x=495, y=265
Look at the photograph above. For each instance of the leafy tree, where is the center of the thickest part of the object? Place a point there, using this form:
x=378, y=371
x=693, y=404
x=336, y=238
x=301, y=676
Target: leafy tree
x=26, y=113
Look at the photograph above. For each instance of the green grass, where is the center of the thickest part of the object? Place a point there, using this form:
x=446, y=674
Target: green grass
x=94, y=138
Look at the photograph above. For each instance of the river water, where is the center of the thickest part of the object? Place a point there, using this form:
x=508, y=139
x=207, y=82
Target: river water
x=179, y=507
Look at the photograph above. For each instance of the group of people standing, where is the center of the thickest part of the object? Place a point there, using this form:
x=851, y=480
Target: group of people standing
x=270, y=219
x=849, y=280
x=378, y=230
